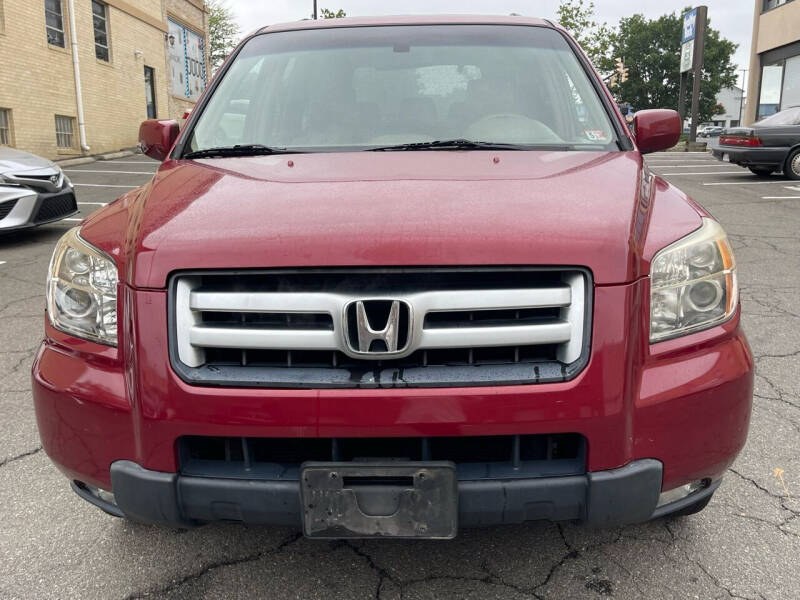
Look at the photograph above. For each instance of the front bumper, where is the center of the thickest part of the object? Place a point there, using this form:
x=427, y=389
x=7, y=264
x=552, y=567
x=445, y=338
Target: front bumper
x=685, y=403
x=773, y=158
x=32, y=208
x=605, y=498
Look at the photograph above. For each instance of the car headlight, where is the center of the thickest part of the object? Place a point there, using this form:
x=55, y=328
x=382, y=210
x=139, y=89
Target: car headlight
x=82, y=290
x=693, y=284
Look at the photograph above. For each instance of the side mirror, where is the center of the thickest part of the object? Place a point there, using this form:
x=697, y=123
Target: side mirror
x=656, y=129
x=156, y=138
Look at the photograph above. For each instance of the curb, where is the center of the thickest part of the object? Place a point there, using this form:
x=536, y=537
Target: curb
x=85, y=160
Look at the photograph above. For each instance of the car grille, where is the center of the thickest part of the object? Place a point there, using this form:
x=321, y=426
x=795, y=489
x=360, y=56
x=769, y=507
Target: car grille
x=6, y=208
x=291, y=329
x=54, y=207
x=485, y=457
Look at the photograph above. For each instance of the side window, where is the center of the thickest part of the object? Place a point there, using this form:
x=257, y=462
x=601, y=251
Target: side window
x=54, y=22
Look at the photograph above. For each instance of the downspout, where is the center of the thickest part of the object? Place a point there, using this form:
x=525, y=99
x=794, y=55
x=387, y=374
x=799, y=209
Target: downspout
x=76, y=67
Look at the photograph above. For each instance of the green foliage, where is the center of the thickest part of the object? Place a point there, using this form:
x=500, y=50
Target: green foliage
x=596, y=39
x=651, y=50
x=327, y=13
x=223, y=32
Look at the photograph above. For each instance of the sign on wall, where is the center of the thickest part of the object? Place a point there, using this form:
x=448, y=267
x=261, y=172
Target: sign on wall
x=187, y=62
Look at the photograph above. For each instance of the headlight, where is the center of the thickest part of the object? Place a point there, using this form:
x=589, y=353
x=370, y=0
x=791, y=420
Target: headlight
x=693, y=284
x=82, y=290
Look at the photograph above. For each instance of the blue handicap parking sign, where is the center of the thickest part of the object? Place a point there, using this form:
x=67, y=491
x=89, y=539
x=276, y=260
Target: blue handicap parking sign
x=689, y=20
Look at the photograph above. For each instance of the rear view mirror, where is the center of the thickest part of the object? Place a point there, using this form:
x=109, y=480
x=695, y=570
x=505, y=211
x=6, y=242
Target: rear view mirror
x=156, y=138
x=655, y=130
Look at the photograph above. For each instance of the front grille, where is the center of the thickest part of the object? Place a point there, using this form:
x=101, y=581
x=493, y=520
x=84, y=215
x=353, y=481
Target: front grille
x=484, y=457
x=298, y=328
x=6, y=207
x=54, y=207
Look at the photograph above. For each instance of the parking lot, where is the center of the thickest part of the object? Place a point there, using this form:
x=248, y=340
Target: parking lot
x=746, y=544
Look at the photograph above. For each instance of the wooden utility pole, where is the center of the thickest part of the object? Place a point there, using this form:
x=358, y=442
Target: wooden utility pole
x=699, y=55
x=693, y=46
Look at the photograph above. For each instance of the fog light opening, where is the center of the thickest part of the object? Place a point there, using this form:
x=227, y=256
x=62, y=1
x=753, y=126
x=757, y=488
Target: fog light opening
x=684, y=491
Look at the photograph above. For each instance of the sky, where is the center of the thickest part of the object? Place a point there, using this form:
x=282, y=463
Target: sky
x=733, y=18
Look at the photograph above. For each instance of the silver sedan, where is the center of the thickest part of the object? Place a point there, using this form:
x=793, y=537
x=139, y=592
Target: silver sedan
x=33, y=191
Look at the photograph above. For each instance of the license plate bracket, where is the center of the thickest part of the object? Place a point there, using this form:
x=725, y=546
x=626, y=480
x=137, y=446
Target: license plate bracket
x=366, y=500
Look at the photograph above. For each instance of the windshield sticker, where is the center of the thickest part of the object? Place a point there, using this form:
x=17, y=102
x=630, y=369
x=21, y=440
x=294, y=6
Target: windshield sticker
x=596, y=135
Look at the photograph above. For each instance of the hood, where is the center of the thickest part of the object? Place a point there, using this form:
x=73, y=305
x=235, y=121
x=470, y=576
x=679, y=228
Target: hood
x=17, y=161
x=384, y=209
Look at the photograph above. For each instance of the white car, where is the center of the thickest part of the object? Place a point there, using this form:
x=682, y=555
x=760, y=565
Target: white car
x=33, y=191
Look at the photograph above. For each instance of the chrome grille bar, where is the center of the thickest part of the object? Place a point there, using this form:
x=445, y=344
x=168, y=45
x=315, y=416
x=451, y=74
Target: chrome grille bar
x=564, y=305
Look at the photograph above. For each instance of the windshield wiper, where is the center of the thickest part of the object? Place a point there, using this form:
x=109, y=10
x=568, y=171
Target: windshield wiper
x=462, y=144
x=238, y=150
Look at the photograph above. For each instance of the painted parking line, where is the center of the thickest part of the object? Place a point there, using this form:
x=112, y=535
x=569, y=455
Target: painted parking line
x=711, y=173
x=98, y=185
x=780, y=197
x=2, y=262
x=72, y=220
x=106, y=171
x=697, y=163
x=743, y=182
x=94, y=203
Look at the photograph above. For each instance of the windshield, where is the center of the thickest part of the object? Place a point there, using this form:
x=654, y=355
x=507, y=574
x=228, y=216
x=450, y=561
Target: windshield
x=360, y=88
x=790, y=116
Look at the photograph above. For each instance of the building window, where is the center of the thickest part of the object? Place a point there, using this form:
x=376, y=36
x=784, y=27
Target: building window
x=770, y=4
x=150, y=91
x=65, y=131
x=769, y=100
x=54, y=21
x=5, y=127
x=791, y=83
x=100, y=17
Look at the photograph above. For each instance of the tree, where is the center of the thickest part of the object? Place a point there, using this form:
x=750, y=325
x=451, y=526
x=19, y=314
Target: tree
x=327, y=13
x=651, y=50
x=596, y=39
x=223, y=32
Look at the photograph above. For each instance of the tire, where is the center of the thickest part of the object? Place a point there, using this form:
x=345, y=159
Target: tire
x=692, y=509
x=761, y=171
x=792, y=169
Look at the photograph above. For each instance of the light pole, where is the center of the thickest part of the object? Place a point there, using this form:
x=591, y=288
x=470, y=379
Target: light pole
x=741, y=98
x=315, y=10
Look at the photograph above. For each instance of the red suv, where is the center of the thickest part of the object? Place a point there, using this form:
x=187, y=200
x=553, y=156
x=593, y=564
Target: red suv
x=395, y=277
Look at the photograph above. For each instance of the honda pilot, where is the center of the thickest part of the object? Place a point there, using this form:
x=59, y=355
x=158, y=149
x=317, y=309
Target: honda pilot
x=396, y=277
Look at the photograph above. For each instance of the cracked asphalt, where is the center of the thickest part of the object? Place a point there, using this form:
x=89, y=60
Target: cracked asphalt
x=746, y=544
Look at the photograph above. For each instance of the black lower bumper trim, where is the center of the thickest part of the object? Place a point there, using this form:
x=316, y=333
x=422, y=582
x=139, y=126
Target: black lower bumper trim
x=604, y=498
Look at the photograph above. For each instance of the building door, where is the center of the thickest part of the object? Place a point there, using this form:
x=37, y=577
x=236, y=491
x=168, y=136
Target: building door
x=150, y=91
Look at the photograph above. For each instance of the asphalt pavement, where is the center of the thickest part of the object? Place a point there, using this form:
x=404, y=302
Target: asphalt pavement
x=746, y=544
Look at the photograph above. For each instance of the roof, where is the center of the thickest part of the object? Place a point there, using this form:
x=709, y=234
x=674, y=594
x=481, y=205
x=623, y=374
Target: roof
x=408, y=20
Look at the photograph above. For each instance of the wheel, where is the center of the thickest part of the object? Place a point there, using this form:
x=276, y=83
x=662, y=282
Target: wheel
x=792, y=169
x=761, y=171
x=692, y=509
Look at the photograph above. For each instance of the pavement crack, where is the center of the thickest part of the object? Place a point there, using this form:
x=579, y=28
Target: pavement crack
x=383, y=574
x=20, y=456
x=199, y=574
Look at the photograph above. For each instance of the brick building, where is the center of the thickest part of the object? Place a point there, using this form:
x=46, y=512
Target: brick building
x=136, y=59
